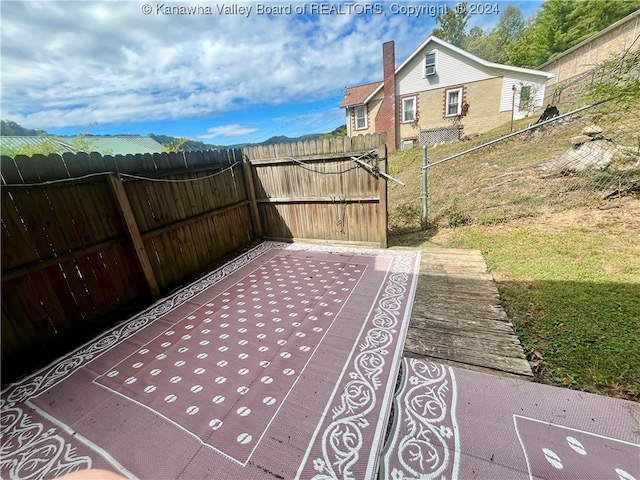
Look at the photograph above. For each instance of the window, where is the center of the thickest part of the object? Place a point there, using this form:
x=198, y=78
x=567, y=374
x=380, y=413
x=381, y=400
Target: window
x=408, y=109
x=361, y=118
x=453, y=102
x=525, y=97
x=430, y=64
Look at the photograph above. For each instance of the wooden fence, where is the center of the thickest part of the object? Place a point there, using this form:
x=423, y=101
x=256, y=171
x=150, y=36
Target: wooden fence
x=316, y=192
x=86, y=238
x=74, y=253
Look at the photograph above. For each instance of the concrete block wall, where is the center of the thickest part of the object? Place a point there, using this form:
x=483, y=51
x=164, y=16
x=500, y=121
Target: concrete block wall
x=611, y=43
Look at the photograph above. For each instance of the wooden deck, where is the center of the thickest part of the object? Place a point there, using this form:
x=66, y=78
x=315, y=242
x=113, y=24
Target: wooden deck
x=457, y=317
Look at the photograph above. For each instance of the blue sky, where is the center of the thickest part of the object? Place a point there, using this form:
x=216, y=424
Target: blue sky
x=224, y=75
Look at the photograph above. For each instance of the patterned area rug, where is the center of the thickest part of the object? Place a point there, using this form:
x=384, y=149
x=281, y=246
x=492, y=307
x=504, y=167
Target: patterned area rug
x=280, y=364
x=451, y=423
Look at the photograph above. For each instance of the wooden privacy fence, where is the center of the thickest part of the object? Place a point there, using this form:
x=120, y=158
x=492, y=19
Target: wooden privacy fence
x=86, y=237
x=77, y=251
x=316, y=192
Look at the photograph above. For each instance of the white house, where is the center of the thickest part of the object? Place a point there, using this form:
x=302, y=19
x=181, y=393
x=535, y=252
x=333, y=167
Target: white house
x=442, y=90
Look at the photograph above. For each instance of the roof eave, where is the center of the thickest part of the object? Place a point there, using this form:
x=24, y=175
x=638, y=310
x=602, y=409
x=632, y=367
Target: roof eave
x=373, y=94
x=366, y=100
x=472, y=57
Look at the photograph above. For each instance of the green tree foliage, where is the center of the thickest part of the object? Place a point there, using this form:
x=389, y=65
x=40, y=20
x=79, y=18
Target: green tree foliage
x=9, y=128
x=496, y=44
x=561, y=24
x=591, y=16
x=339, y=132
x=176, y=145
x=526, y=52
x=453, y=24
x=82, y=142
x=483, y=45
x=182, y=143
x=510, y=26
x=556, y=27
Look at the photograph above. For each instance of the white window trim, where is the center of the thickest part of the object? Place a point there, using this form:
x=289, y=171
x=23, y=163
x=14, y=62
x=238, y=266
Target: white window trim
x=435, y=66
x=446, y=106
x=355, y=117
x=415, y=103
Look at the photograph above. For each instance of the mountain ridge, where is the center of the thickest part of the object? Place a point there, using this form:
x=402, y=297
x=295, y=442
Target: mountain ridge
x=11, y=128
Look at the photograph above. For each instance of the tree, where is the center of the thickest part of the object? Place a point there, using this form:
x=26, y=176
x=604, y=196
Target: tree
x=510, y=26
x=9, y=128
x=592, y=16
x=176, y=145
x=83, y=143
x=527, y=51
x=483, y=45
x=493, y=45
x=453, y=24
x=339, y=132
x=562, y=24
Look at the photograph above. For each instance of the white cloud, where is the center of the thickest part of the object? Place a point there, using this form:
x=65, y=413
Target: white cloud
x=67, y=63
x=228, y=131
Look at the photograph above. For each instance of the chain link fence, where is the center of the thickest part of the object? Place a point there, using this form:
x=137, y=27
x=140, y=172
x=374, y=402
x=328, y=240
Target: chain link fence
x=589, y=156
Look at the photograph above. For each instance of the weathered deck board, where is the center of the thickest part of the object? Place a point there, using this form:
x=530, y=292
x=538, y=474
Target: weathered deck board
x=457, y=318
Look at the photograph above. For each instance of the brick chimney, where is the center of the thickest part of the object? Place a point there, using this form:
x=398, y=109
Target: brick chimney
x=386, y=116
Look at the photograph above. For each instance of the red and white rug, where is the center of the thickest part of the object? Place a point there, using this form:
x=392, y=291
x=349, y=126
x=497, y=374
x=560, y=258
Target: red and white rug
x=280, y=364
x=450, y=423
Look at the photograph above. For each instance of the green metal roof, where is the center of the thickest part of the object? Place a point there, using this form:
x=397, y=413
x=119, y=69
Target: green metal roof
x=16, y=143
x=121, y=145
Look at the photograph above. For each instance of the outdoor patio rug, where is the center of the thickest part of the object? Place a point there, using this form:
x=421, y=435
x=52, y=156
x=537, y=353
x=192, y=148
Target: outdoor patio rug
x=452, y=423
x=282, y=363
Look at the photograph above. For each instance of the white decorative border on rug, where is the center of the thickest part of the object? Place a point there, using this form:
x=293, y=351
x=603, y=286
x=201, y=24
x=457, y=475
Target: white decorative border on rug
x=54, y=373
x=425, y=409
x=341, y=440
x=30, y=451
x=22, y=439
x=66, y=460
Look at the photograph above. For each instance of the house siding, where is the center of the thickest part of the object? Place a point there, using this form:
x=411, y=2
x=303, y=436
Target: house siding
x=484, y=113
x=452, y=69
x=372, y=110
x=506, y=98
x=486, y=88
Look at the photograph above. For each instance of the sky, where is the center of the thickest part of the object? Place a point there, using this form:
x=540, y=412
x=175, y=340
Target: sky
x=227, y=73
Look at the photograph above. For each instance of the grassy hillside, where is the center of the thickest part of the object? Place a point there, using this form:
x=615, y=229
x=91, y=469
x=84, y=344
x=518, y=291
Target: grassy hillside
x=565, y=258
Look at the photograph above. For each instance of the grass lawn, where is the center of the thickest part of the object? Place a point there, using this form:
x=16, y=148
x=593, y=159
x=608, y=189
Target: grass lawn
x=573, y=294
x=567, y=263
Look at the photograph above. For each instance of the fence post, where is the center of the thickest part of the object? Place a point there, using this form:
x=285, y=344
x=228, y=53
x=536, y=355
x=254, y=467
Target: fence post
x=382, y=189
x=425, y=189
x=129, y=220
x=251, y=191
